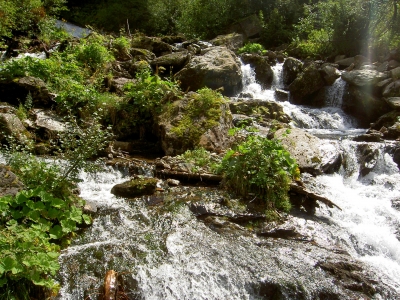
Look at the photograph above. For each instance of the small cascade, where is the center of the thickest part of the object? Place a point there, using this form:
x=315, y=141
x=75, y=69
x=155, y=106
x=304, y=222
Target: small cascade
x=334, y=93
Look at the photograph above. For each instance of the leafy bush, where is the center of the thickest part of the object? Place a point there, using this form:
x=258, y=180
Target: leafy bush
x=201, y=159
x=252, y=48
x=263, y=168
x=146, y=96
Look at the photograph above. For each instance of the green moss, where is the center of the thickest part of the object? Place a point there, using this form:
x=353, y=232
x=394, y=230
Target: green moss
x=201, y=112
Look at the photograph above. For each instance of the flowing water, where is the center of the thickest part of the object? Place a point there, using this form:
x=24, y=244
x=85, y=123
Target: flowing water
x=166, y=252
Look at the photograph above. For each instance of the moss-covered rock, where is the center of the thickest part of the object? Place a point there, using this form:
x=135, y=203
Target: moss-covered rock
x=262, y=68
x=135, y=187
x=199, y=119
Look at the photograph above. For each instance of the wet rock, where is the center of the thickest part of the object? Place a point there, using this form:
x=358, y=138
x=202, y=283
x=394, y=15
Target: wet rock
x=11, y=125
x=135, y=187
x=396, y=156
x=330, y=74
x=172, y=63
x=370, y=136
x=395, y=73
x=392, y=89
x=363, y=106
x=262, y=68
x=217, y=68
x=90, y=207
x=110, y=285
x=281, y=95
x=349, y=275
x=368, y=158
x=396, y=204
x=232, y=41
x=345, y=62
x=306, y=85
x=9, y=182
x=363, y=77
x=282, y=232
x=394, y=102
x=253, y=108
x=290, y=69
x=312, y=154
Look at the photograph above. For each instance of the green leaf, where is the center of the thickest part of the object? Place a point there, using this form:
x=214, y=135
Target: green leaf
x=68, y=226
x=3, y=281
x=87, y=219
x=56, y=232
x=21, y=198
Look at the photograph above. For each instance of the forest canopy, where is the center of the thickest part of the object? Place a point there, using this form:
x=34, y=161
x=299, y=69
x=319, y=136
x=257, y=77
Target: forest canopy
x=311, y=27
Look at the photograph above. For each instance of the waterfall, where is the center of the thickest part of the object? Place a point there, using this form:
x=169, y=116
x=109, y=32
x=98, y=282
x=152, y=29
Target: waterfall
x=334, y=93
x=166, y=252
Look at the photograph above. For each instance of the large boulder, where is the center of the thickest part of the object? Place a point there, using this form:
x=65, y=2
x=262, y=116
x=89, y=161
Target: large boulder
x=290, y=69
x=392, y=89
x=217, y=68
x=259, y=108
x=306, y=86
x=173, y=62
x=19, y=89
x=363, y=77
x=232, y=41
x=394, y=102
x=9, y=182
x=330, y=74
x=196, y=120
x=262, y=69
x=135, y=188
x=313, y=155
x=363, y=105
x=47, y=124
x=11, y=126
x=153, y=44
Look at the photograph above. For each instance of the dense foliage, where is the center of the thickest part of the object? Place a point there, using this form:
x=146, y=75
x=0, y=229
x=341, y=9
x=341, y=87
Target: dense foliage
x=261, y=168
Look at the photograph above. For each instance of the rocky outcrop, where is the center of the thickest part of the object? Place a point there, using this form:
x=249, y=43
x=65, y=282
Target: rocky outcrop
x=313, y=155
x=249, y=27
x=330, y=74
x=262, y=68
x=135, y=188
x=394, y=102
x=306, y=86
x=363, y=105
x=217, y=68
x=47, y=125
x=172, y=63
x=232, y=41
x=17, y=91
x=363, y=78
x=153, y=44
x=290, y=69
x=392, y=89
x=9, y=182
x=11, y=126
x=259, y=108
x=196, y=120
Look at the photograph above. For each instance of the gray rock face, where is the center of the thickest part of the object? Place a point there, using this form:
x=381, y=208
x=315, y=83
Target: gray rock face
x=171, y=62
x=249, y=26
x=262, y=69
x=306, y=85
x=290, y=69
x=395, y=73
x=313, y=155
x=9, y=182
x=232, y=41
x=11, y=125
x=16, y=92
x=363, y=106
x=217, y=68
x=394, y=102
x=392, y=89
x=48, y=125
x=363, y=77
x=330, y=74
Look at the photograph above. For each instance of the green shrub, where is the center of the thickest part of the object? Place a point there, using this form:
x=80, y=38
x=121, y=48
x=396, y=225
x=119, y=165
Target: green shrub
x=262, y=168
x=252, y=48
x=201, y=159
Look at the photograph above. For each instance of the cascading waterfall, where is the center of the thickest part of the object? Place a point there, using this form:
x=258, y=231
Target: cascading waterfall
x=368, y=224
x=165, y=252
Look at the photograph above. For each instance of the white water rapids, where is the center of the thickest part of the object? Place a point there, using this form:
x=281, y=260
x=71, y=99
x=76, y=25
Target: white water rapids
x=165, y=252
